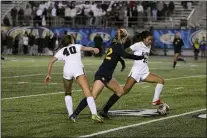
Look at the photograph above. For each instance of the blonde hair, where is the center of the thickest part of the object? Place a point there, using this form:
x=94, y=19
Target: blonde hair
x=121, y=36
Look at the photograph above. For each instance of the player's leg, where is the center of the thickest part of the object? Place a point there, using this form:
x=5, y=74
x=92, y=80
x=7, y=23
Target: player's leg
x=96, y=89
x=68, y=95
x=118, y=92
x=153, y=78
x=175, y=59
x=83, y=83
x=180, y=59
x=129, y=84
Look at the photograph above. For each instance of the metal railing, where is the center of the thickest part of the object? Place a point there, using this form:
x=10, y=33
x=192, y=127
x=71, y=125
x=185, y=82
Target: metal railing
x=104, y=21
x=197, y=14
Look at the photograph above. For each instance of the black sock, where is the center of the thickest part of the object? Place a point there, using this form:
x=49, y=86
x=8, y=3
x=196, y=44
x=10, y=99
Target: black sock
x=81, y=106
x=174, y=64
x=112, y=100
x=180, y=59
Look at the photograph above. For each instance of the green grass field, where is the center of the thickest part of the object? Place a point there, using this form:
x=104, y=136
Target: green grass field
x=29, y=108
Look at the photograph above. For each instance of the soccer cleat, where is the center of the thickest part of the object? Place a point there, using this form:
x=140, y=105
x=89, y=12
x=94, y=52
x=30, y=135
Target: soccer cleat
x=97, y=118
x=103, y=115
x=158, y=102
x=72, y=118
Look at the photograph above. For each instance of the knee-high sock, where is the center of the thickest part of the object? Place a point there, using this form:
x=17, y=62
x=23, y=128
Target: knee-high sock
x=69, y=104
x=181, y=59
x=112, y=100
x=158, y=90
x=92, y=105
x=174, y=64
x=81, y=106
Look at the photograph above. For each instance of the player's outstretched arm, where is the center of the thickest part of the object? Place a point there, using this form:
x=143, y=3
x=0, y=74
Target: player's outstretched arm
x=49, y=69
x=95, y=50
x=124, y=54
x=122, y=64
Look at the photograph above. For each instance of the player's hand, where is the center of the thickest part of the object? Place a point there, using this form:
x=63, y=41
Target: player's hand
x=146, y=56
x=47, y=79
x=123, y=68
x=96, y=50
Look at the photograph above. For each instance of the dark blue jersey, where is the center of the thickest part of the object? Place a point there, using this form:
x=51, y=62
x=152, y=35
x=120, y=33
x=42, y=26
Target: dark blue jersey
x=113, y=56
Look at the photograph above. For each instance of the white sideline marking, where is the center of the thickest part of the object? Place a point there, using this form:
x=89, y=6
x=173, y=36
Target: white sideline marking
x=179, y=88
x=145, y=86
x=193, y=65
x=30, y=75
x=22, y=82
x=140, y=124
x=81, y=90
x=34, y=95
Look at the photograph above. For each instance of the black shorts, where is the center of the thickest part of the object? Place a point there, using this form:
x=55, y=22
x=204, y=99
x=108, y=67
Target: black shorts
x=177, y=51
x=103, y=79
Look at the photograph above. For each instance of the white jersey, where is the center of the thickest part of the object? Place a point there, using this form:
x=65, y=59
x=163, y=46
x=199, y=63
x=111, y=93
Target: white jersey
x=71, y=55
x=140, y=66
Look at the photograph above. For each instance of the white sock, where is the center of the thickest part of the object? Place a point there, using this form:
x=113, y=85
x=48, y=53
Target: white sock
x=69, y=104
x=158, y=90
x=92, y=105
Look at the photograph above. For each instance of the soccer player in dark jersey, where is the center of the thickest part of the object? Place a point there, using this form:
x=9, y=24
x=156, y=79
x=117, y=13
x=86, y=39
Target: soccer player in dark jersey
x=103, y=77
x=177, y=43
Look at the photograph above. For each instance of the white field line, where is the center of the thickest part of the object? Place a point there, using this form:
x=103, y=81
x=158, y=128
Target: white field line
x=145, y=87
x=34, y=95
x=29, y=75
x=81, y=90
x=32, y=75
x=140, y=124
x=179, y=88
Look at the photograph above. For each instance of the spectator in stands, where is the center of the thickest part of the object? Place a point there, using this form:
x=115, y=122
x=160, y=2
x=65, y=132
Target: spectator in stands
x=196, y=47
x=25, y=43
x=98, y=42
x=160, y=7
x=10, y=43
x=140, y=10
x=171, y=7
x=6, y=21
x=67, y=15
x=16, y=44
x=46, y=43
x=44, y=17
x=134, y=15
x=154, y=11
x=21, y=16
x=14, y=16
x=54, y=16
x=28, y=13
x=203, y=47
x=3, y=41
x=184, y=4
x=36, y=37
x=20, y=45
x=38, y=16
x=164, y=11
x=55, y=42
x=31, y=43
x=121, y=16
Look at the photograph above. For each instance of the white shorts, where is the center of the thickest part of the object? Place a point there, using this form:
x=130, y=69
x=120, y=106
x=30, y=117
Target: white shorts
x=137, y=76
x=70, y=74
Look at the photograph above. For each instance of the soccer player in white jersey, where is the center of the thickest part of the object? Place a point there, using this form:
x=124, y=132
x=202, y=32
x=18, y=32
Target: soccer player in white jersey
x=74, y=69
x=140, y=71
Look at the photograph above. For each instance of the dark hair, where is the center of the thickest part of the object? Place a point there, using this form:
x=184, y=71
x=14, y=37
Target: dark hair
x=67, y=39
x=143, y=35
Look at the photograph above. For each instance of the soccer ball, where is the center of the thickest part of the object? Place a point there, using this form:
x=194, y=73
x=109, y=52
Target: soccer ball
x=163, y=109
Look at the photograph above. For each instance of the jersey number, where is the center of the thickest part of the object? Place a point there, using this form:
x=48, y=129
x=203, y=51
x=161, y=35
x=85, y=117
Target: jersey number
x=145, y=60
x=109, y=52
x=72, y=50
